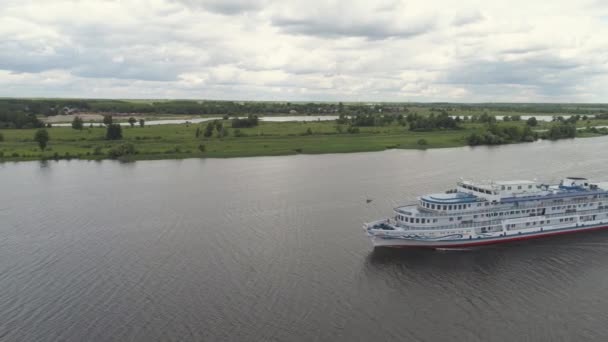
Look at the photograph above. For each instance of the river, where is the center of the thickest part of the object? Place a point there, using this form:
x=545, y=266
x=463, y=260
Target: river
x=272, y=249
x=199, y=120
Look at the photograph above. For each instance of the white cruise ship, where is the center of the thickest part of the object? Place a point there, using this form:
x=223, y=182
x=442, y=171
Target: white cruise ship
x=476, y=214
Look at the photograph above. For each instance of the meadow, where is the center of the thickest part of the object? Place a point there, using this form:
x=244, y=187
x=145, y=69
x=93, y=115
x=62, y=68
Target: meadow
x=268, y=138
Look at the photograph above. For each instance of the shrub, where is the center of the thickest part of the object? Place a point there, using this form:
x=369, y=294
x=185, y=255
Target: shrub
x=250, y=121
x=201, y=147
x=122, y=150
x=353, y=130
x=1, y=137
x=422, y=142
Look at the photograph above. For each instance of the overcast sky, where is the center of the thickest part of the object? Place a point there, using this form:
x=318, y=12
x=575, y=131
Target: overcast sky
x=323, y=50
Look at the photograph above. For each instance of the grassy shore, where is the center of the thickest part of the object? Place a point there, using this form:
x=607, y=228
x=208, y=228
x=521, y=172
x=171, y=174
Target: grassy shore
x=269, y=138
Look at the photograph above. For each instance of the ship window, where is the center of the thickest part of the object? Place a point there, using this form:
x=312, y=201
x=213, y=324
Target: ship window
x=502, y=188
x=434, y=220
x=451, y=219
x=527, y=223
x=460, y=217
x=512, y=212
x=423, y=221
x=519, y=187
x=529, y=186
x=561, y=220
x=432, y=206
x=417, y=220
x=474, y=216
x=444, y=207
x=509, y=188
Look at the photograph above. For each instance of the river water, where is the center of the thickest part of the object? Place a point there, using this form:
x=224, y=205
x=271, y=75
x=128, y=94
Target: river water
x=199, y=120
x=272, y=249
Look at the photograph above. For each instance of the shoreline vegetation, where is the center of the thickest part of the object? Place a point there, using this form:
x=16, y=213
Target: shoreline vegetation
x=359, y=128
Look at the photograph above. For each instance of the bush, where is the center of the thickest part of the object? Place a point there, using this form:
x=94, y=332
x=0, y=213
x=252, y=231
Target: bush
x=201, y=147
x=422, y=142
x=250, y=121
x=353, y=130
x=122, y=150
x=238, y=133
x=561, y=131
x=97, y=151
x=1, y=137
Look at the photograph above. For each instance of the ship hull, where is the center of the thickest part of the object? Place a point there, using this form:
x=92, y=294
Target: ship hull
x=476, y=242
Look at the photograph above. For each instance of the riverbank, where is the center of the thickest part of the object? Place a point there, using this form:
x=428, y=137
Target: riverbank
x=267, y=139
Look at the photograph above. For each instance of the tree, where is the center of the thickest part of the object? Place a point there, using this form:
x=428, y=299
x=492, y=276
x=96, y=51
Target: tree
x=142, y=122
x=42, y=138
x=77, y=123
x=107, y=120
x=114, y=132
x=219, y=126
x=132, y=121
x=532, y=122
x=198, y=132
x=209, y=130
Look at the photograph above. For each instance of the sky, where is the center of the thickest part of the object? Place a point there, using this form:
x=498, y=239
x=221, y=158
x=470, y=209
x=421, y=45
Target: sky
x=309, y=50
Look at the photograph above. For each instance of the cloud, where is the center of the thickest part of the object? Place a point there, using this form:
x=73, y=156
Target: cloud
x=305, y=50
x=353, y=19
x=467, y=18
x=226, y=7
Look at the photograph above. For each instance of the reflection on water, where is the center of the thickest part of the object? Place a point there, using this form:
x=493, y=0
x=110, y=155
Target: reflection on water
x=271, y=248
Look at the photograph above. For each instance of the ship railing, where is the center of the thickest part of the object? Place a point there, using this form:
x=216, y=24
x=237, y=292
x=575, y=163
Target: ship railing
x=490, y=223
x=424, y=212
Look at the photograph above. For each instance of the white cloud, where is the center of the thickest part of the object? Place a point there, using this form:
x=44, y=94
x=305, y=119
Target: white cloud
x=470, y=50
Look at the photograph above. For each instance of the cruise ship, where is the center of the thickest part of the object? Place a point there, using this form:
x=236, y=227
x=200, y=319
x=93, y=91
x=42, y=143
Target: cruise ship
x=484, y=213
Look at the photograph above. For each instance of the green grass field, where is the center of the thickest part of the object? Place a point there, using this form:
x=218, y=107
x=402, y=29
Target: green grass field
x=269, y=138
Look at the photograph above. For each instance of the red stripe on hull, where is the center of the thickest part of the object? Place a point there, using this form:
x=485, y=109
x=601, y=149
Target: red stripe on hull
x=474, y=243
